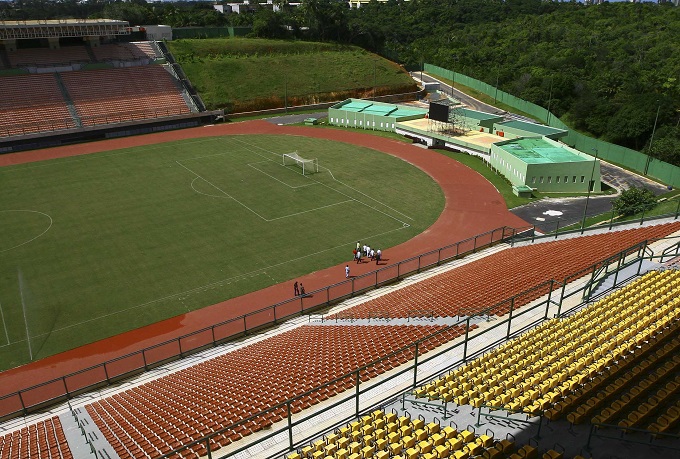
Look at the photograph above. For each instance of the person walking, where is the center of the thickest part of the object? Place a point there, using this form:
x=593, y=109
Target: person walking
x=372, y=254
x=302, y=289
x=378, y=255
x=296, y=290
x=346, y=271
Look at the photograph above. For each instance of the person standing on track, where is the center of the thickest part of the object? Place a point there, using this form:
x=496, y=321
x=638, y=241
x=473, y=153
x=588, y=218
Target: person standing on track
x=346, y=271
x=296, y=290
x=378, y=255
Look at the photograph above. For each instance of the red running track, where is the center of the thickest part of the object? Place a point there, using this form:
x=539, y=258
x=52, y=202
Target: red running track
x=473, y=206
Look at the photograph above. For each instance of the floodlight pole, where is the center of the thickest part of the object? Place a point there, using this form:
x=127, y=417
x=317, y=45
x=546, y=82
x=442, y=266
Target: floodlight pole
x=590, y=183
x=651, y=140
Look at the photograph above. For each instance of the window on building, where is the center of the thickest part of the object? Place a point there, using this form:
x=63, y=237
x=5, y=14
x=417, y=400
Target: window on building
x=533, y=179
x=550, y=179
x=566, y=179
x=557, y=179
x=541, y=179
x=574, y=179
x=583, y=179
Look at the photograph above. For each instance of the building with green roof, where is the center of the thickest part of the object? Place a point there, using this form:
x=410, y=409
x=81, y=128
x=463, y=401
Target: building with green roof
x=545, y=165
x=366, y=114
x=515, y=128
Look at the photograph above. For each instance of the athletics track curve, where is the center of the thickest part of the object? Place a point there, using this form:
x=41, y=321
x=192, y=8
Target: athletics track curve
x=473, y=206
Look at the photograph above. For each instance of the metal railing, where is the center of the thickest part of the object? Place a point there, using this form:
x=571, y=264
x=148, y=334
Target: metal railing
x=378, y=393
x=111, y=371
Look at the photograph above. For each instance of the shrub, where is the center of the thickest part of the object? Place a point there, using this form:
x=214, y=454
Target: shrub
x=633, y=201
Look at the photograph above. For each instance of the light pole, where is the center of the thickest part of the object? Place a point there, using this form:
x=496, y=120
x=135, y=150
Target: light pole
x=498, y=74
x=651, y=140
x=549, y=100
x=374, y=80
x=591, y=184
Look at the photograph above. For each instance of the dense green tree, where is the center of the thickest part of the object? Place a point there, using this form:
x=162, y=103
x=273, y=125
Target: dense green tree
x=633, y=201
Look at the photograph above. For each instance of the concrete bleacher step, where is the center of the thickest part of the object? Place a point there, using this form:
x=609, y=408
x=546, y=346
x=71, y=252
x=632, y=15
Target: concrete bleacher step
x=69, y=102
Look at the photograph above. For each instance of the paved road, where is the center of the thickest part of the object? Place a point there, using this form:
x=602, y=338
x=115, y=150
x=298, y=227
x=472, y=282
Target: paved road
x=548, y=213
x=467, y=100
x=295, y=118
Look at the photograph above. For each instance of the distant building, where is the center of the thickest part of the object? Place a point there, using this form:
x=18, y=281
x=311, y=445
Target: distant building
x=545, y=165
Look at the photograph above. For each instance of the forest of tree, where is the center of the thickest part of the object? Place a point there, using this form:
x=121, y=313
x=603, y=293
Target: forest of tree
x=607, y=70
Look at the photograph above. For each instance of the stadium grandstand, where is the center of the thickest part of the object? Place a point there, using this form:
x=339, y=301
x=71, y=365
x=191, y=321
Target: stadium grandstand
x=75, y=79
x=532, y=347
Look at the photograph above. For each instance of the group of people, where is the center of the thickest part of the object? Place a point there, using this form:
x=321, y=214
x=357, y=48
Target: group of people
x=298, y=289
x=364, y=251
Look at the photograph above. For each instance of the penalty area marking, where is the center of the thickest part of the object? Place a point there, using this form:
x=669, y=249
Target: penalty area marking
x=228, y=196
x=36, y=237
x=280, y=181
x=340, y=182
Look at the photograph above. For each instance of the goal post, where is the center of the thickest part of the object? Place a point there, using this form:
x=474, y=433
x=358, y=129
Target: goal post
x=308, y=166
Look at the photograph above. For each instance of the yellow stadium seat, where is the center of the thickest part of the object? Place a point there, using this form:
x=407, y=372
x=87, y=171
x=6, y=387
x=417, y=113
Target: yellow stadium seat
x=466, y=436
x=437, y=439
x=341, y=454
x=396, y=448
x=411, y=453
x=367, y=451
x=424, y=446
x=408, y=441
x=449, y=432
x=294, y=456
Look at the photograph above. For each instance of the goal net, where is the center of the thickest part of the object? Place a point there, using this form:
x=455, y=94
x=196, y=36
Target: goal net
x=308, y=166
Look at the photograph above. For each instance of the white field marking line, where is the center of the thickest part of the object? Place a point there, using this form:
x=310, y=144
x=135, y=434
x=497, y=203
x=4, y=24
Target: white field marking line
x=311, y=210
x=269, y=219
x=30, y=240
x=340, y=182
x=274, y=178
x=97, y=155
x=4, y=324
x=220, y=190
x=210, y=285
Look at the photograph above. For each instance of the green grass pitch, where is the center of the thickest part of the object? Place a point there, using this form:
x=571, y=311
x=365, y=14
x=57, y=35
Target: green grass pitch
x=95, y=245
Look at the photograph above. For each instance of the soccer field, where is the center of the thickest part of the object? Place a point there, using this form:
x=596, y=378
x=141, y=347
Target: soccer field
x=92, y=246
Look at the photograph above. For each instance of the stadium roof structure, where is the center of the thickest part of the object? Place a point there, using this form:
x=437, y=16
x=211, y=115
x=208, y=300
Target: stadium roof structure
x=55, y=28
x=378, y=108
x=542, y=150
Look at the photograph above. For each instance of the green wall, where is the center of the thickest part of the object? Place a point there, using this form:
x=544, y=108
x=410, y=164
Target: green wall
x=359, y=120
x=662, y=171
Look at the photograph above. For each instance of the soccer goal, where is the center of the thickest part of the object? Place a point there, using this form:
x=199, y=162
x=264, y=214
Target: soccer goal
x=309, y=166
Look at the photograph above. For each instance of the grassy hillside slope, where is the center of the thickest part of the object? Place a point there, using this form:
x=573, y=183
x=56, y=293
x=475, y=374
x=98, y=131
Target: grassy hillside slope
x=249, y=74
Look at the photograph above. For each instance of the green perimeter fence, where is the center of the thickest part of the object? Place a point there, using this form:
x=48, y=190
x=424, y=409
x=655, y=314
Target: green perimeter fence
x=369, y=394
x=639, y=162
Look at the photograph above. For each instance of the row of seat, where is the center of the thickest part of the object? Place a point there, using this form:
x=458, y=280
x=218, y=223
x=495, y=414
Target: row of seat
x=469, y=290
x=209, y=396
x=67, y=55
x=126, y=93
x=383, y=435
x=35, y=103
x=43, y=440
x=542, y=367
